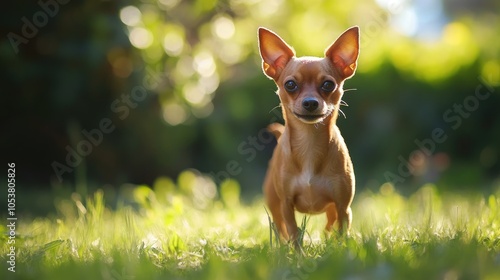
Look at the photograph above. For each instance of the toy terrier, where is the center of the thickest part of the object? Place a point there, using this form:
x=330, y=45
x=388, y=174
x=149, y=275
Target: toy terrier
x=310, y=170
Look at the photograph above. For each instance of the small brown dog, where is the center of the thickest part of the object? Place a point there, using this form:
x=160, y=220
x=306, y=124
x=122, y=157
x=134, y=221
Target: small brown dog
x=311, y=170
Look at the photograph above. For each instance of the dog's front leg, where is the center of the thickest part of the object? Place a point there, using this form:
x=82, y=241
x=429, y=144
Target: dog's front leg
x=288, y=211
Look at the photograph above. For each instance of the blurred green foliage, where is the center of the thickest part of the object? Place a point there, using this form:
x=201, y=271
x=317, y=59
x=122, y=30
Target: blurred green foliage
x=207, y=101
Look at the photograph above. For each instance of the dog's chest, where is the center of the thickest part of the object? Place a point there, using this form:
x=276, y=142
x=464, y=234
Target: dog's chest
x=305, y=178
x=311, y=191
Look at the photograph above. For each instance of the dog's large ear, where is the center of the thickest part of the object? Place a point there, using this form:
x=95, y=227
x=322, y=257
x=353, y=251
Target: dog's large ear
x=343, y=53
x=275, y=53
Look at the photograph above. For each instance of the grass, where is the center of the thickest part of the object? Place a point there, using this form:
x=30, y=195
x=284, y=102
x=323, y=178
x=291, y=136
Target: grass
x=187, y=230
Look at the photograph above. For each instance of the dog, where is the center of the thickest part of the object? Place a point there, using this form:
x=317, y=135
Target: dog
x=310, y=170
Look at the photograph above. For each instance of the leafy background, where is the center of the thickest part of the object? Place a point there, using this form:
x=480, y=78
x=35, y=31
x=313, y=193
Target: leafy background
x=207, y=101
x=176, y=91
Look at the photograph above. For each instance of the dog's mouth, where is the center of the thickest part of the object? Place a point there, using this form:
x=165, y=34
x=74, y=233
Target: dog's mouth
x=311, y=119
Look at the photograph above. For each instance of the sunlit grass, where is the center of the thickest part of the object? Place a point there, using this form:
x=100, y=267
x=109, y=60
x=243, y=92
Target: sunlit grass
x=169, y=231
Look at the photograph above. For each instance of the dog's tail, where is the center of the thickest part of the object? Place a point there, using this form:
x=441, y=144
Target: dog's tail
x=276, y=129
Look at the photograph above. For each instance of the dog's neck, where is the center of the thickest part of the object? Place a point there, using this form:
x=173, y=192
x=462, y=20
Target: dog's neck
x=310, y=143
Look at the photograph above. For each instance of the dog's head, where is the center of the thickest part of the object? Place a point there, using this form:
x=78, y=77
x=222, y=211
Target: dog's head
x=310, y=88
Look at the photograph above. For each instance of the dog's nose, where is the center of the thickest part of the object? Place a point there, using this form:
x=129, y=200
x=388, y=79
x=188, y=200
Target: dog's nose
x=310, y=104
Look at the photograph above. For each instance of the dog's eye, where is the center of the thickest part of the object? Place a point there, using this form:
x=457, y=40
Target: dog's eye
x=291, y=86
x=328, y=86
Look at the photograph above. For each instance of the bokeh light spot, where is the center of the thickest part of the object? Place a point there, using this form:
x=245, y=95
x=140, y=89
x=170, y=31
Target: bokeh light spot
x=223, y=27
x=193, y=93
x=169, y=3
x=141, y=38
x=491, y=72
x=456, y=34
x=130, y=15
x=173, y=44
x=204, y=63
x=210, y=83
x=174, y=114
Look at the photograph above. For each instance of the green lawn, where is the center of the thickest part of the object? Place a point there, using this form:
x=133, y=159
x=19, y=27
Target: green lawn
x=187, y=230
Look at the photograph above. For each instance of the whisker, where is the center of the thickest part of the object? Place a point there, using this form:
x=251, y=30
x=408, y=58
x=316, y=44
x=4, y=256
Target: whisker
x=278, y=106
x=350, y=89
x=342, y=113
x=343, y=103
x=316, y=125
